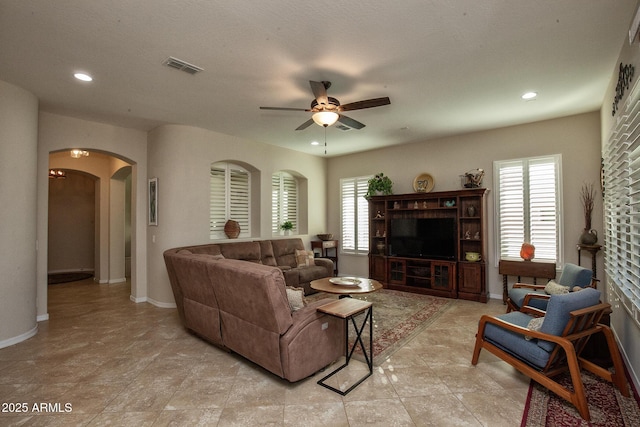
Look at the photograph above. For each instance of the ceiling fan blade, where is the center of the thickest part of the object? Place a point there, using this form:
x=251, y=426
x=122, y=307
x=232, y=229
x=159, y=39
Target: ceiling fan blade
x=284, y=109
x=305, y=124
x=369, y=103
x=350, y=122
x=320, y=92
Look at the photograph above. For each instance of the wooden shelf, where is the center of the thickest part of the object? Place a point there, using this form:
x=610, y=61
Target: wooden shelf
x=463, y=279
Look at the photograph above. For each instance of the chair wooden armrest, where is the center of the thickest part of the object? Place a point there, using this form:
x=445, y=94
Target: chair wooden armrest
x=527, y=309
x=529, y=297
x=529, y=286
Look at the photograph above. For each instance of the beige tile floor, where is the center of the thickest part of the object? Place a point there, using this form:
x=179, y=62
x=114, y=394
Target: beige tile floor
x=120, y=363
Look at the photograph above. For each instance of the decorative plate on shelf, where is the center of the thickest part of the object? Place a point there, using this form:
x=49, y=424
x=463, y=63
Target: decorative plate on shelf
x=345, y=281
x=423, y=183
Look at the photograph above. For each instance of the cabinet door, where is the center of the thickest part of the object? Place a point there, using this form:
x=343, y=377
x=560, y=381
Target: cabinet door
x=442, y=275
x=397, y=272
x=378, y=268
x=470, y=277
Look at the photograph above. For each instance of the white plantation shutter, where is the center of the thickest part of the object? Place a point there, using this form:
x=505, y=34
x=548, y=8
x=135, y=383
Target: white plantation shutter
x=527, y=206
x=284, y=201
x=229, y=199
x=621, y=167
x=354, y=215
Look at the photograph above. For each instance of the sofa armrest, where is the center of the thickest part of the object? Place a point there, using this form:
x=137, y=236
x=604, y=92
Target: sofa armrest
x=326, y=263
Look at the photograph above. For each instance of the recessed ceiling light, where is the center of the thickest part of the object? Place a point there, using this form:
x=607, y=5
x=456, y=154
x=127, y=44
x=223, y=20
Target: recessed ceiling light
x=84, y=77
x=529, y=95
x=315, y=143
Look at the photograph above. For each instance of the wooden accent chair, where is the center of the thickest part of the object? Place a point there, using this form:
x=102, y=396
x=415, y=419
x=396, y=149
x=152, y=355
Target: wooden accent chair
x=572, y=275
x=570, y=320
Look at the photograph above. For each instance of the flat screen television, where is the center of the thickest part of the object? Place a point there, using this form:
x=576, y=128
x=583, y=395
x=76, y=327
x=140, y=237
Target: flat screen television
x=433, y=238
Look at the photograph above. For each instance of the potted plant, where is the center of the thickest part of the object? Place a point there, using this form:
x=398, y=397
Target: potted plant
x=287, y=226
x=379, y=184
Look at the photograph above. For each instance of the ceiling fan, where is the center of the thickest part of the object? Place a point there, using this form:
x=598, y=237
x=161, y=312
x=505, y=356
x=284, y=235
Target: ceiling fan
x=327, y=110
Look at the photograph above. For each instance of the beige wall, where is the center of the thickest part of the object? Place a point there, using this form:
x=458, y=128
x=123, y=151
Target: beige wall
x=18, y=240
x=181, y=156
x=576, y=138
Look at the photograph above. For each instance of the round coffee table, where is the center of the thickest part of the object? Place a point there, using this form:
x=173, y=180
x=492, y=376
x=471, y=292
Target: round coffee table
x=350, y=285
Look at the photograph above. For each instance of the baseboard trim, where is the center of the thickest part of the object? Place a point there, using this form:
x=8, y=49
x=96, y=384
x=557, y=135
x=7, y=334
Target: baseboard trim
x=161, y=304
x=19, y=338
x=121, y=280
x=42, y=317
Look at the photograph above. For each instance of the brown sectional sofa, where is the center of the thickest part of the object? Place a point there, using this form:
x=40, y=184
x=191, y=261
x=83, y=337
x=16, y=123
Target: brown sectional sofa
x=242, y=305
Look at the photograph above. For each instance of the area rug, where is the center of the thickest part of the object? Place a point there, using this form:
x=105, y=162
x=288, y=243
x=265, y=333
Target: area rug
x=606, y=405
x=57, y=278
x=397, y=318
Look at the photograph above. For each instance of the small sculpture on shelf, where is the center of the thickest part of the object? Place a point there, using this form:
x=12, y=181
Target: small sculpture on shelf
x=379, y=215
x=473, y=178
x=477, y=235
x=467, y=235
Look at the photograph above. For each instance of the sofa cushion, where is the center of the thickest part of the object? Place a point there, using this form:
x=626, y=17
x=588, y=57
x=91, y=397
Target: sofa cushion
x=558, y=309
x=304, y=258
x=514, y=342
x=244, y=251
x=285, y=251
x=574, y=275
x=517, y=296
x=296, y=298
x=554, y=288
x=266, y=253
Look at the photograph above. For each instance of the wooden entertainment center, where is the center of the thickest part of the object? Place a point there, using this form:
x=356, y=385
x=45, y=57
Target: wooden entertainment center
x=452, y=276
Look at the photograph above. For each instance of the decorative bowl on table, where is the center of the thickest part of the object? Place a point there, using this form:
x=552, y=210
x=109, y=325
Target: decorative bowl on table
x=345, y=281
x=327, y=236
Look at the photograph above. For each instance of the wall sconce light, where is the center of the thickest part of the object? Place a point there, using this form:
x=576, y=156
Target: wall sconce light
x=57, y=173
x=76, y=154
x=325, y=118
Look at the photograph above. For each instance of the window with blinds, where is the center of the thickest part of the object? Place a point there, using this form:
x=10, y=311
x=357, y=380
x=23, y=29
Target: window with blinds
x=284, y=201
x=354, y=215
x=229, y=199
x=621, y=172
x=528, y=206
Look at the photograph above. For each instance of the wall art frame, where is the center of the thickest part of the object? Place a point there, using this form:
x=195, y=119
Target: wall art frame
x=153, y=201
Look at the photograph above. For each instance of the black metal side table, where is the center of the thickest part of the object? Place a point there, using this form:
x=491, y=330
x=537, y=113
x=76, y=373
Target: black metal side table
x=347, y=309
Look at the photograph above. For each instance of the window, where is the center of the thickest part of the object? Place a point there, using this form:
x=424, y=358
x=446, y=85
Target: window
x=355, y=215
x=284, y=201
x=229, y=191
x=528, y=207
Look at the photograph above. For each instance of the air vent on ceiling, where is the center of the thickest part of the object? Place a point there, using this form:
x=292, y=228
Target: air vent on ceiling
x=181, y=65
x=343, y=127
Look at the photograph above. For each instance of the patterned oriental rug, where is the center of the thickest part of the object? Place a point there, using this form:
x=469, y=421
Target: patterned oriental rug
x=397, y=318
x=606, y=406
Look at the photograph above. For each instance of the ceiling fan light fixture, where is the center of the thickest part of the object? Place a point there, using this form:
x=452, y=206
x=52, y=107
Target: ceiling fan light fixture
x=325, y=118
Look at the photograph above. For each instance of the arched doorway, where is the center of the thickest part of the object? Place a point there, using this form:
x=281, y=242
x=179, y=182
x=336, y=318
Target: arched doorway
x=112, y=213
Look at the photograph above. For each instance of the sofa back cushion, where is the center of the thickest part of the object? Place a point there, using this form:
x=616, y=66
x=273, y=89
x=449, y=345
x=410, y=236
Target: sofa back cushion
x=558, y=312
x=266, y=252
x=574, y=275
x=245, y=251
x=254, y=310
x=201, y=249
x=284, y=251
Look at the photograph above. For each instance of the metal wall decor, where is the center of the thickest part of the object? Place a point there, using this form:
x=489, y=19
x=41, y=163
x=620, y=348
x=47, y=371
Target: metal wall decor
x=625, y=76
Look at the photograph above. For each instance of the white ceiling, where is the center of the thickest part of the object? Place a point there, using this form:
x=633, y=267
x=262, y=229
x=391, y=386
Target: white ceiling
x=449, y=66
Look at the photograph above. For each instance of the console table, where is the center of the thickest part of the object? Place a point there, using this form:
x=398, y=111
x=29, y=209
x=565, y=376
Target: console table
x=324, y=246
x=593, y=250
x=533, y=269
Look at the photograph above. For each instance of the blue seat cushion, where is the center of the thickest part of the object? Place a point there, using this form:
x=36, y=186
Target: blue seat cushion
x=559, y=309
x=574, y=275
x=526, y=350
x=517, y=296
